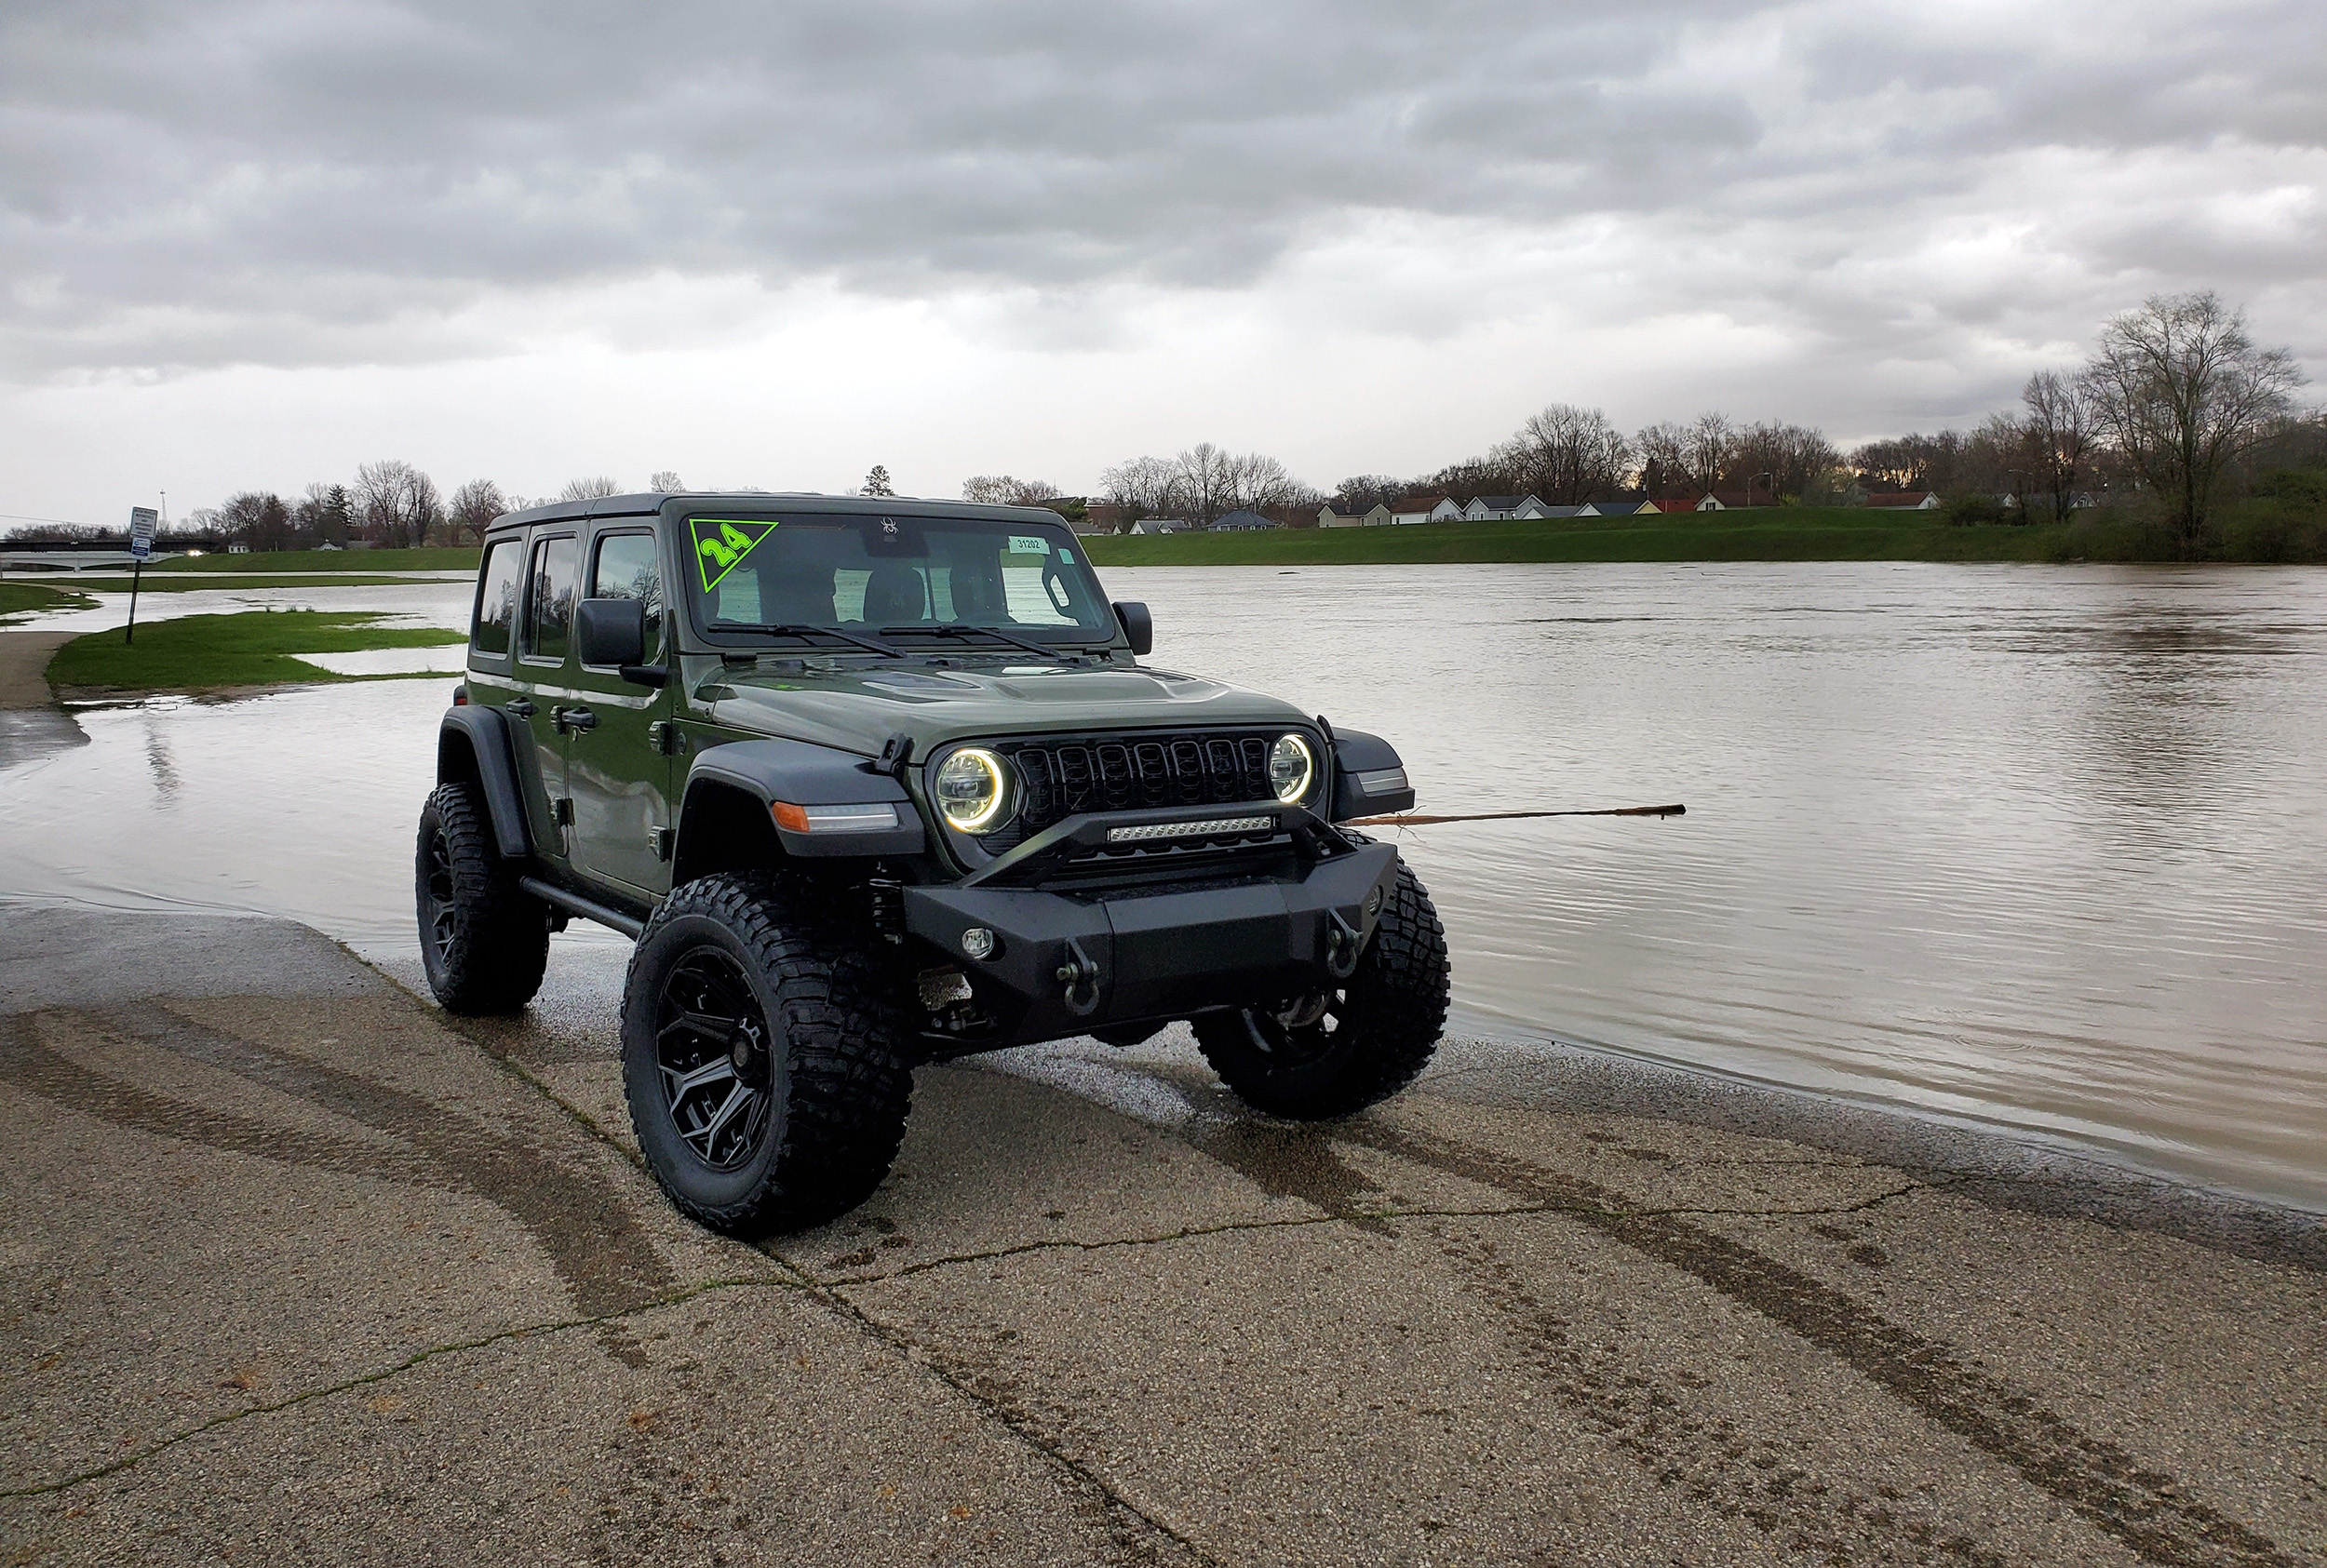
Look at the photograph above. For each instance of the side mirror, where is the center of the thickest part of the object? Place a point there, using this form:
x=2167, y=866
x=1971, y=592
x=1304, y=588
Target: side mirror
x=1138, y=626
x=611, y=631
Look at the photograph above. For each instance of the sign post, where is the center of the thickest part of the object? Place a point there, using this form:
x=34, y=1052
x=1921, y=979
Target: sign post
x=141, y=521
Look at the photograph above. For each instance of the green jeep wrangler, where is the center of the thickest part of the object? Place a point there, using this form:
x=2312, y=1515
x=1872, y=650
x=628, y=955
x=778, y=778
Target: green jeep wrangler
x=872, y=782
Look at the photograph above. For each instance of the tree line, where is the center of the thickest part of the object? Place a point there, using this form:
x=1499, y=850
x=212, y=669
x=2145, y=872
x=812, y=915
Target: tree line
x=2176, y=400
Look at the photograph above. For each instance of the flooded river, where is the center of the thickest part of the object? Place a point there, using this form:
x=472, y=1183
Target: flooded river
x=2042, y=849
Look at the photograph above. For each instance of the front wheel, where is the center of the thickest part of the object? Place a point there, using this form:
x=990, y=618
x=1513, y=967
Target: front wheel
x=761, y=1057
x=1334, y=1053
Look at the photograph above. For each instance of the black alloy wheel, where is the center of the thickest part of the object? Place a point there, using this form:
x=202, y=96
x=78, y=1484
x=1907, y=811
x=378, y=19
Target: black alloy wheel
x=762, y=1055
x=711, y=1048
x=439, y=920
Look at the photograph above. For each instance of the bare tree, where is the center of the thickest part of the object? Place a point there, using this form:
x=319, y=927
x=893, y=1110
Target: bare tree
x=2057, y=432
x=475, y=505
x=1363, y=492
x=1794, y=456
x=666, y=480
x=1707, y=453
x=595, y=488
x=2181, y=391
x=395, y=504
x=877, y=481
x=1206, y=474
x=1143, y=486
x=1257, y=482
x=1662, y=454
x=1567, y=455
x=254, y=519
x=1000, y=490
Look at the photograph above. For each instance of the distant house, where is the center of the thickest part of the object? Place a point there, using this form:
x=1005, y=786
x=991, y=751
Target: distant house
x=1161, y=525
x=1425, y=509
x=1617, y=509
x=1501, y=508
x=1903, y=501
x=1716, y=500
x=238, y=549
x=1107, y=515
x=1557, y=512
x=1242, y=520
x=1375, y=515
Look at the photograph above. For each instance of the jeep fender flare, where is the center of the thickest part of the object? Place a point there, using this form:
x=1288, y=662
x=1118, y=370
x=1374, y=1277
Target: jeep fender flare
x=1355, y=752
x=472, y=743
x=792, y=773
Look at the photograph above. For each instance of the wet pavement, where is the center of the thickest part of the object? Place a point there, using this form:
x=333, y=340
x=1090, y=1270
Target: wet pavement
x=297, y=1269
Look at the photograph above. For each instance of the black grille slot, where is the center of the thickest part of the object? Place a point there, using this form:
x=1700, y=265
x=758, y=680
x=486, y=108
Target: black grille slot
x=1065, y=776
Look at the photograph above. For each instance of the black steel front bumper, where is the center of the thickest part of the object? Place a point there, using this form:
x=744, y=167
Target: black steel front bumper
x=1067, y=960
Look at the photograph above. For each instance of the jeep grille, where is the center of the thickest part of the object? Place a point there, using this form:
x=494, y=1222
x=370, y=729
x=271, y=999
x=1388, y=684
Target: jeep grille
x=1062, y=776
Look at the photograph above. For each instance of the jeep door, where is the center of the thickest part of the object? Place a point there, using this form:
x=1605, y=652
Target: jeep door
x=544, y=671
x=618, y=771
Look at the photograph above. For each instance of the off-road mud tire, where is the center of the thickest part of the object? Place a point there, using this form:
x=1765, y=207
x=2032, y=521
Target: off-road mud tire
x=500, y=934
x=839, y=1085
x=1394, y=1009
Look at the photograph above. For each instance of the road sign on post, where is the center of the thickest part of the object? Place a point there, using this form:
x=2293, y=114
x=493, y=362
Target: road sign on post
x=141, y=521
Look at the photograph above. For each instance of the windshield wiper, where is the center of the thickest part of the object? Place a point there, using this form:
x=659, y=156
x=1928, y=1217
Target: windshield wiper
x=959, y=631
x=867, y=644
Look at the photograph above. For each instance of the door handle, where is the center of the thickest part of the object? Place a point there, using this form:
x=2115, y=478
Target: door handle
x=574, y=718
x=520, y=708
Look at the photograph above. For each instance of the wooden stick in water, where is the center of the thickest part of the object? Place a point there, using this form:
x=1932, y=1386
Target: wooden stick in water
x=1509, y=817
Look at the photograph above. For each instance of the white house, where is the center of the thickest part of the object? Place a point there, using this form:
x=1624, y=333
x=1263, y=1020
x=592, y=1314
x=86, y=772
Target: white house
x=1501, y=508
x=1617, y=509
x=1903, y=501
x=1161, y=525
x=1425, y=509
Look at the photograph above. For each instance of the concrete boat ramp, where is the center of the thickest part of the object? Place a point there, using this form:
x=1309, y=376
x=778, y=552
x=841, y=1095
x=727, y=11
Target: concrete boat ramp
x=298, y=1270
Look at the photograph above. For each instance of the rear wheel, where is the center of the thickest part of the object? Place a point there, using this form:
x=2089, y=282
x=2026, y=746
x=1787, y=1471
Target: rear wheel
x=483, y=941
x=760, y=1058
x=1339, y=1051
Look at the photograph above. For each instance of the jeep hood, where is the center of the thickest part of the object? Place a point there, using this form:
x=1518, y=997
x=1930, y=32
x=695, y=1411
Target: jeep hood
x=858, y=709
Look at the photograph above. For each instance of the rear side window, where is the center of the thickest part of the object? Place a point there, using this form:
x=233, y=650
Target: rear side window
x=549, y=601
x=626, y=568
x=497, y=598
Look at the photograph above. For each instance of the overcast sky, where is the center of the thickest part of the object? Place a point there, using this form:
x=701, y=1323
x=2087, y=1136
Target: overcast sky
x=253, y=245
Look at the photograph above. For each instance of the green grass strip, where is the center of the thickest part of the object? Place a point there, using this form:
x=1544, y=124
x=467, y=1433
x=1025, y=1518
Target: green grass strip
x=189, y=583
x=23, y=599
x=207, y=653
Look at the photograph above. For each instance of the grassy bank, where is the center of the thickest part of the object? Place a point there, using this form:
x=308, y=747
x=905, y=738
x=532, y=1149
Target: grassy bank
x=25, y=598
x=212, y=652
x=2257, y=530
x=454, y=557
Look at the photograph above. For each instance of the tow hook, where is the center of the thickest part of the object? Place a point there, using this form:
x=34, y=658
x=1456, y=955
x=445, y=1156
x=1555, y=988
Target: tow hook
x=1081, y=977
x=1342, y=945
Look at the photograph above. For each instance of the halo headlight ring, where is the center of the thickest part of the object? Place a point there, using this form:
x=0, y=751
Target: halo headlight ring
x=972, y=790
x=1292, y=768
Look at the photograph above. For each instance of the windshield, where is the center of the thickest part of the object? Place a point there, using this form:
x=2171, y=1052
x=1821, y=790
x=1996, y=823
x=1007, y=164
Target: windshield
x=871, y=574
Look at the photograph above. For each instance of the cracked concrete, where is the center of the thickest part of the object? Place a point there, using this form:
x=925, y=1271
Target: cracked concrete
x=296, y=1270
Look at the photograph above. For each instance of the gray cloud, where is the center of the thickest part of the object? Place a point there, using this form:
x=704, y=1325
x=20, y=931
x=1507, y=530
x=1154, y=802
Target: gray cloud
x=186, y=184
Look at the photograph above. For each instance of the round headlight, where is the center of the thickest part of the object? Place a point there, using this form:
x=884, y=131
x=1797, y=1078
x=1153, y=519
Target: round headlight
x=971, y=789
x=1291, y=768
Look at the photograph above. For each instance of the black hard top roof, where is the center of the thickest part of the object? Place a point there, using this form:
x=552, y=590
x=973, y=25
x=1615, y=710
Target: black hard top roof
x=646, y=504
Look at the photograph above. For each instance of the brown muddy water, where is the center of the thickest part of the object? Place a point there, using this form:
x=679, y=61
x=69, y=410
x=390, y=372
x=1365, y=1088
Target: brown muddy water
x=2037, y=849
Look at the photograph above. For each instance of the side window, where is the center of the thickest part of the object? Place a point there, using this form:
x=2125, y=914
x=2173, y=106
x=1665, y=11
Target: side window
x=497, y=598
x=624, y=567
x=549, y=599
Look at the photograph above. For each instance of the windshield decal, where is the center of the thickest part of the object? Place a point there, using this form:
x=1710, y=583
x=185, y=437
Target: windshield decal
x=1029, y=544
x=721, y=543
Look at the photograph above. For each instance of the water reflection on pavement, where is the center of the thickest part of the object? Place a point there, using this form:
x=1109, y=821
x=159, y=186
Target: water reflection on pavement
x=2030, y=845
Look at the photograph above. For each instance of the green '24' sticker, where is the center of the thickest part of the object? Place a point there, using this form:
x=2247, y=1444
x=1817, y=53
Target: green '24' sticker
x=721, y=543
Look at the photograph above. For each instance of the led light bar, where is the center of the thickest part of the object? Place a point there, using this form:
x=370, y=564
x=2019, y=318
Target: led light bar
x=1188, y=830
